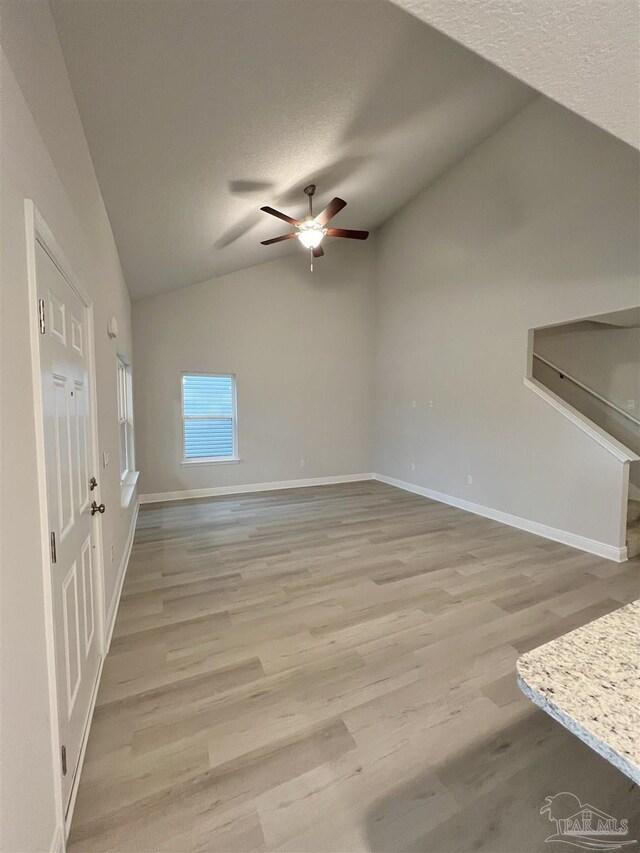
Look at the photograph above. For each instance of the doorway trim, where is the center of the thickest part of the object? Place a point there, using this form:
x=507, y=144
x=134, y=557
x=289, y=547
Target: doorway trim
x=38, y=232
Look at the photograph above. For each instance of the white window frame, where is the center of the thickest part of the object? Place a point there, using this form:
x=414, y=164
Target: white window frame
x=128, y=474
x=210, y=460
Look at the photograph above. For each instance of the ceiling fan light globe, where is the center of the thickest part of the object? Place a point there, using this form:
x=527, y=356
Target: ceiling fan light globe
x=311, y=238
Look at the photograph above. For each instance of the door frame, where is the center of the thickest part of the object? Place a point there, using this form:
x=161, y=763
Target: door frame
x=38, y=232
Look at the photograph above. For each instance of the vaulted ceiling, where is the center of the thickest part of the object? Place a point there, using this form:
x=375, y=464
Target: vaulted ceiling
x=582, y=53
x=197, y=113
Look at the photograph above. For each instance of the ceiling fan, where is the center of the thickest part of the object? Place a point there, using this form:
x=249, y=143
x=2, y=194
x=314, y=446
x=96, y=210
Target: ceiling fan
x=312, y=230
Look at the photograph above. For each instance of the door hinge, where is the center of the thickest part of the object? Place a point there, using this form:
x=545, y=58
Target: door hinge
x=52, y=539
x=41, y=322
x=64, y=760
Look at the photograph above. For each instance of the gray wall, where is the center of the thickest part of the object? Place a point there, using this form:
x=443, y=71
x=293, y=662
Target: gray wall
x=537, y=226
x=301, y=346
x=44, y=158
x=625, y=431
x=604, y=358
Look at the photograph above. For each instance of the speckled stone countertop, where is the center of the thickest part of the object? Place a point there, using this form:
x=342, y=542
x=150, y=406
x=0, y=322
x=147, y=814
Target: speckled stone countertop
x=588, y=680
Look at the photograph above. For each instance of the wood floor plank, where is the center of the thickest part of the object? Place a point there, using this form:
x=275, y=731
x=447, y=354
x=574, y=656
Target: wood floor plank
x=333, y=669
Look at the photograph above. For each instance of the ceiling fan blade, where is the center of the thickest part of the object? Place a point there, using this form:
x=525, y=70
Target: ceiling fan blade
x=330, y=211
x=278, y=239
x=345, y=232
x=318, y=252
x=284, y=216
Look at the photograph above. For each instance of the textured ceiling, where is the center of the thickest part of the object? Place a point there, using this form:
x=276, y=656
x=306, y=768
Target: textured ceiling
x=585, y=54
x=198, y=113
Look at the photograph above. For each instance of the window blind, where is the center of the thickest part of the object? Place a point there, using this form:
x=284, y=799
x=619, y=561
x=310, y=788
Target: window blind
x=208, y=411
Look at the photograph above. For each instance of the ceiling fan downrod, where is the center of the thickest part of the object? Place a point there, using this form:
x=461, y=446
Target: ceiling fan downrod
x=309, y=193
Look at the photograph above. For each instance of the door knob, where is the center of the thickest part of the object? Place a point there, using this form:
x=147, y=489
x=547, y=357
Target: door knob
x=92, y=483
x=97, y=508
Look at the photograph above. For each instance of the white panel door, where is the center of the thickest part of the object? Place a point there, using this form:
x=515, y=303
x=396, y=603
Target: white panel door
x=68, y=437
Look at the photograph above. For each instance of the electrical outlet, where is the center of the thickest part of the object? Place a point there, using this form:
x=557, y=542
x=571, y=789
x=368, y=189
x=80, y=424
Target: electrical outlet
x=113, y=553
x=413, y=466
x=469, y=480
x=431, y=404
x=105, y=458
x=303, y=463
x=413, y=404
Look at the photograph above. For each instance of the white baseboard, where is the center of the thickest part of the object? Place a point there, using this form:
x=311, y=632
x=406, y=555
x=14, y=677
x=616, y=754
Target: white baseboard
x=217, y=491
x=122, y=571
x=592, y=546
x=57, y=841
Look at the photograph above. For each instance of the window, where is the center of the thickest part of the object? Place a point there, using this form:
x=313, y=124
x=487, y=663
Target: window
x=209, y=425
x=125, y=421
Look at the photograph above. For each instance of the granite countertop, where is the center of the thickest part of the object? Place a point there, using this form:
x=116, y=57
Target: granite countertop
x=588, y=680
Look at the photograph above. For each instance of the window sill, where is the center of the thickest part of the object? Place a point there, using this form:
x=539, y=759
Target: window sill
x=233, y=461
x=127, y=488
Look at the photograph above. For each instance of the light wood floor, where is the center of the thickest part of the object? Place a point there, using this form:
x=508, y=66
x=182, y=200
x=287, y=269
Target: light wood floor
x=333, y=669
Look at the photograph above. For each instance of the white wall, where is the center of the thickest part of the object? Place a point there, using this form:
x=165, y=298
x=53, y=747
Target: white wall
x=45, y=158
x=539, y=225
x=301, y=346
